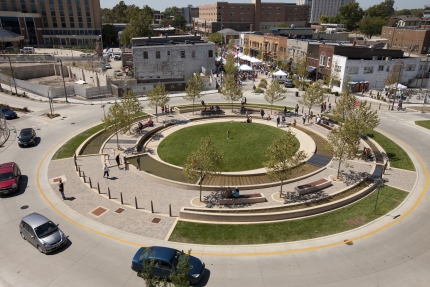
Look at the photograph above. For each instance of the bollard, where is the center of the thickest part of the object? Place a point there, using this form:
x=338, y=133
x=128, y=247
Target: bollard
x=328, y=99
x=135, y=202
x=98, y=187
x=370, y=104
x=379, y=105
x=335, y=100
x=109, y=193
x=79, y=170
x=122, y=201
x=91, y=185
x=152, y=207
x=83, y=175
x=170, y=210
x=302, y=110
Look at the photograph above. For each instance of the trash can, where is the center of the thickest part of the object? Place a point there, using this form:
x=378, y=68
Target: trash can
x=297, y=94
x=336, y=94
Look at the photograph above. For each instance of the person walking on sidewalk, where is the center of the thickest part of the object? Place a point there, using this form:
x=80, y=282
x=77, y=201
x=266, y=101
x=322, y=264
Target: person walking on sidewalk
x=296, y=110
x=118, y=163
x=278, y=120
x=105, y=170
x=304, y=118
x=61, y=189
x=138, y=162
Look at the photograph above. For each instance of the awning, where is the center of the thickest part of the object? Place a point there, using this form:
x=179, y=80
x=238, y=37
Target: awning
x=311, y=69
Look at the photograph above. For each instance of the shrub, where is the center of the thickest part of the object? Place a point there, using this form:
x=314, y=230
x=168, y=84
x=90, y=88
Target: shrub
x=262, y=85
x=263, y=81
x=259, y=91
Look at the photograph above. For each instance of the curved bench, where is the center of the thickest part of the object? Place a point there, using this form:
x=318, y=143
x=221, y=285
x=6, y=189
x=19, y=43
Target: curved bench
x=313, y=186
x=243, y=199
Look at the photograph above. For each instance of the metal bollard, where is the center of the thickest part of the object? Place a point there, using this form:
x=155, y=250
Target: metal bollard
x=152, y=207
x=335, y=100
x=109, y=193
x=122, y=201
x=370, y=104
x=135, y=202
x=170, y=210
x=302, y=110
x=83, y=175
x=98, y=187
x=91, y=185
x=379, y=105
x=79, y=170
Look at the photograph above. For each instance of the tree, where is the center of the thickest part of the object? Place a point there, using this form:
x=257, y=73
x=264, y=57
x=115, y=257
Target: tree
x=119, y=12
x=274, y=93
x=194, y=87
x=230, y=65
x=332, y=75
x=314, y=96
x=246, y=50
x=371, y=26
x=282, y=157
x=394, y=76
x=344, y=104
x=140, y=24
x=206, y=161
x=215, y=38
x=301, y=69
x=231, y=90
x=109, y=34
x=108, y=16
x=158, y=97
x=179, y=276
x=131, y=106
x=350, y=14
x=383, y=10
x=114, y=120
x=324, y=19
x=173, y=18
x=148, y=275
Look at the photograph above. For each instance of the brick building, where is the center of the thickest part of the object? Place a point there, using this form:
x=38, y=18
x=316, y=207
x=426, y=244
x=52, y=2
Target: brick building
x=272, y=47
x=249, y=16
x=415, y=41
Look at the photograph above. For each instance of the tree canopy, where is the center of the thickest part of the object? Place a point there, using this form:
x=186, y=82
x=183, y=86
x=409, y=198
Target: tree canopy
x=194, y=88
x=371, y=26
x=314, y=96
x=274, y=93
x=158, y=97
x=173, y=18
x=382, y=10
x=350, y=14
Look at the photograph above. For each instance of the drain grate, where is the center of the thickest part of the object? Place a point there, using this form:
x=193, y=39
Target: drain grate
x=120, y=210
x=24, y=207
x=156, y=220
x=56, y=179
x=98, y=211
x=348, y=242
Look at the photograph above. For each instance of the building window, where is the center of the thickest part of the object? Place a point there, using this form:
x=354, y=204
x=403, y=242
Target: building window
x=353, y=70
x=368, y=70
x=182, y=54
x=380, y=68
x=168, y=53
x=211, y=54
x=157, y=54
x=145, y=55
x=322, y=60
x=328, y=61
x=410, y=67
x=193, y=54
x=337, y=68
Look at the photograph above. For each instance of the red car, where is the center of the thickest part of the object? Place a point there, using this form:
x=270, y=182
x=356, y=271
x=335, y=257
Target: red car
x=10, y=174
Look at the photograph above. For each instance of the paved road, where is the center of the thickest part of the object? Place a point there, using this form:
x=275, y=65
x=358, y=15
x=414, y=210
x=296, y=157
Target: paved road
x=396, y=255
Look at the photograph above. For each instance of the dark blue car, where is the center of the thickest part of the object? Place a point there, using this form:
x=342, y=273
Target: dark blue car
x=8, y=113
x=166, y=261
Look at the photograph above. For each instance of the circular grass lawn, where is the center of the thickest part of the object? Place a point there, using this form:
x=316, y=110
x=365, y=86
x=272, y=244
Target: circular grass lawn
x=245, y=150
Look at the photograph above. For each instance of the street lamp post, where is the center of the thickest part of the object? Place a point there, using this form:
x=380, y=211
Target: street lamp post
x=11, y=70
x=201, y=179
x=379, y=184
x=397, y=85
x=62, y=74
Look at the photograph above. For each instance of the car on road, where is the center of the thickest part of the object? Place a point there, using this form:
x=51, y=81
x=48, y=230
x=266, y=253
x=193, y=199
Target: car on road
x=10, y=175
x=289, y=83
x=27, y=137
x=42, y=233
x=117, y=73
x=166, y=260
x=8, y=113
x=108, y=66
x=86, y=55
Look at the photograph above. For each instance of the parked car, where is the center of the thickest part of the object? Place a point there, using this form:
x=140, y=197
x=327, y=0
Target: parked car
x=27, y=50
x=10, y=175
x=117, y=73
x=108, y=66
x=8, y=113
x=166, y=260
x=86, y=55
x=27, y=137
x=42, y=233
x=289, y=83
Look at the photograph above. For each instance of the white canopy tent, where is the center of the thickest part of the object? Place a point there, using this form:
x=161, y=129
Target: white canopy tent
x=280, y=75
x=399, y=87
x=245, y=57
x=255, y=60
x=245, y=68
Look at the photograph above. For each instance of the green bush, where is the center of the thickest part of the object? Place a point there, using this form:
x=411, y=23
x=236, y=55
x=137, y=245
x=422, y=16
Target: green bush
x=263, y=81
x=259, y=91
x=262, y=85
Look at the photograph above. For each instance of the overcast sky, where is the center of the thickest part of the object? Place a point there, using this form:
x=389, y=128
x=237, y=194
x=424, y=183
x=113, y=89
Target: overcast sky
x=161, y=5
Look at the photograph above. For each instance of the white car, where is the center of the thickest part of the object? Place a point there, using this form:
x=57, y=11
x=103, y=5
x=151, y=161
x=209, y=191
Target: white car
x=87, y=55
x=108, y=66
x=117, y=73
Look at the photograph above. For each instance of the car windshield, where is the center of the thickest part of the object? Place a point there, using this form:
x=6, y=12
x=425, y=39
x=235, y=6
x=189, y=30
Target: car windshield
x=6, y=176
x=4, y=110
x=45, y=229
x=26, y=133
x=145, y=254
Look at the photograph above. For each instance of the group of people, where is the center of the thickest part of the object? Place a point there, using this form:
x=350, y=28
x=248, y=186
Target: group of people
x=324, y=107
x=149, y=123
x=212, y=108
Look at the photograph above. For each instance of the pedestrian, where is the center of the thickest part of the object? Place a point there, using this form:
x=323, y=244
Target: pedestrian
x=61, y=189
x=262, y=113
x=278, y=120
x=296, y=110
x=228, y=134
x=322, y=108
x=285, y=111
x=138, y=162
x=125, y=163
x=105, y=170
x=203, y=103
x=325, y=106
x=118, y=162
x=283, y=121
x=304, y=118
x=329, y=108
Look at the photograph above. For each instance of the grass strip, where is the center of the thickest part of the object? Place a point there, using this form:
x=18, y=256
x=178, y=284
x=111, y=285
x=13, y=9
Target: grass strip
x=424, y=124
x=344, y=219
x=397, y=156
x=235, y=105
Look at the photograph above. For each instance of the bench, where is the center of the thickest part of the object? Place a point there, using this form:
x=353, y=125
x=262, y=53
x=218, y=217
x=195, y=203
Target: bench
x=324, y=126
x=227, y=198
x=137, y=130
x=313, y=186
x=210, y=113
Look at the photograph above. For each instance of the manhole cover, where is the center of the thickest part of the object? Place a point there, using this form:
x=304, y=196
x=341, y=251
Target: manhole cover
x=156, y=220
x=72, y=123
x=348, y=242
x=120, y=210
x=24, y=207
x=56, y=179
x=99, y=211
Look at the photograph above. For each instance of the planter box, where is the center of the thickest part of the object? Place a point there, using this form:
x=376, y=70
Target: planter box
x=313, y=186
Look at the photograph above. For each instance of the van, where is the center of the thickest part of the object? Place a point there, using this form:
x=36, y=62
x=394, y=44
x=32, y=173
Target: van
x=27, y=50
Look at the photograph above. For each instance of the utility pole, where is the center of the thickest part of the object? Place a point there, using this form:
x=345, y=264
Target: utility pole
x=62, y=74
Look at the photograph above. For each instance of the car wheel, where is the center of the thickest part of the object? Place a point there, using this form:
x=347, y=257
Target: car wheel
x=40, y=249
x=22, y=235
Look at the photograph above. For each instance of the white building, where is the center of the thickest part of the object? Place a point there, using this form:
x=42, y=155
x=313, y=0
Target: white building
x=323, y=7
x=375, y=71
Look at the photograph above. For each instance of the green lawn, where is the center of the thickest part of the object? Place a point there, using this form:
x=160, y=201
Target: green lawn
x=340, y=220
x=243, y=151
x=398, y=157
x=69, y=148
x=424, y=124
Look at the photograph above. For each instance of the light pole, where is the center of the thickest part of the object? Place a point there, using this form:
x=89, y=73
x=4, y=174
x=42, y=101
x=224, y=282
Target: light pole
x=62, y=74
x=201, y=179
x=103, y=106
x=11, y=70
x=397, y=85
x=379, y=184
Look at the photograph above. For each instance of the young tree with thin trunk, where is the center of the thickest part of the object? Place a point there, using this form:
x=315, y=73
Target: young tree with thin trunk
x=194, y=88
x=179, y=276
x=314, y=96
x=301, y=69
x=274, y=93
x=231, y=90
x=158, y=97
x=230, y=65
x=115, y=120
x=394, y=76
x=344, y=104
x=131, y=106
x=205, y=162
x=282, y=157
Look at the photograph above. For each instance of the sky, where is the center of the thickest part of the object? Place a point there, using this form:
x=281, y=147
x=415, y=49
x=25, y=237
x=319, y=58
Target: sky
x=161, y=5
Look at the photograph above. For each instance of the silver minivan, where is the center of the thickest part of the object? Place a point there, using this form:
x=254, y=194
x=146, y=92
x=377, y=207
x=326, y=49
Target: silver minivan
x=42, y=233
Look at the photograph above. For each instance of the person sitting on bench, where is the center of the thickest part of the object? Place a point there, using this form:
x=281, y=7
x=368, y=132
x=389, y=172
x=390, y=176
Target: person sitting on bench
x=235, y=192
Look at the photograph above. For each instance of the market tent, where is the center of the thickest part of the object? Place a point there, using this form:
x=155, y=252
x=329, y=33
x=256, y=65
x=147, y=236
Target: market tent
x=399, y=87
x=245, y=57
x=238, y=55
x=255, y=60
x=245, y=68
x=279, y=73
